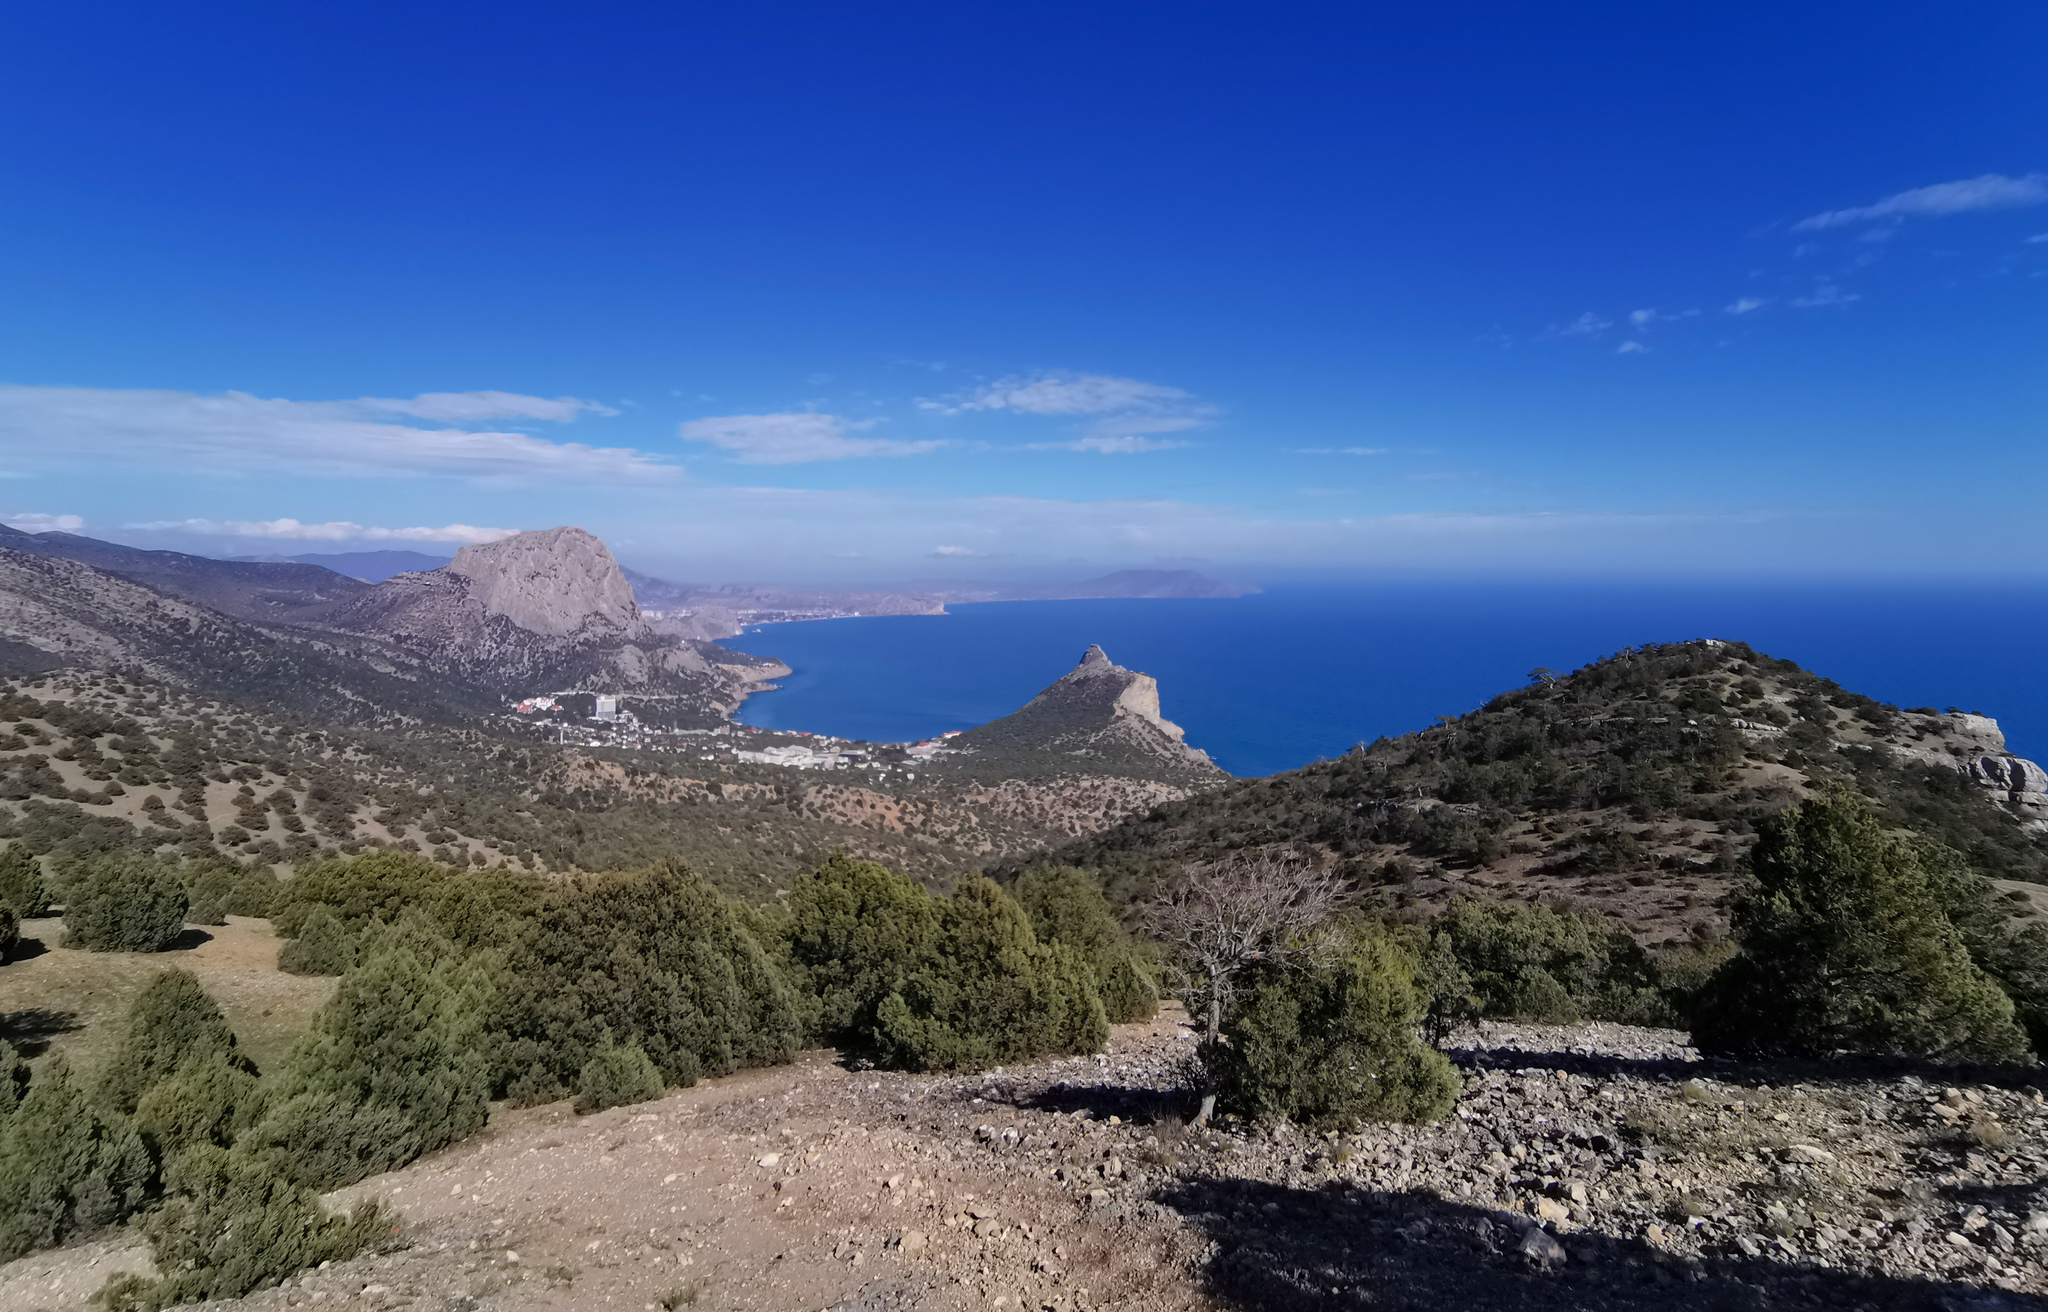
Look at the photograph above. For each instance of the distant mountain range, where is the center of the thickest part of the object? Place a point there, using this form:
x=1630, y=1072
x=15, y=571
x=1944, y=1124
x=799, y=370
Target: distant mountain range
x=369, y=566
x=538, y=612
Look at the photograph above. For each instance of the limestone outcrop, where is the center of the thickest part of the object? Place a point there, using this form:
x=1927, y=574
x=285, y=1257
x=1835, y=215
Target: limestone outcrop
x=1098, y=712
x=559, y=581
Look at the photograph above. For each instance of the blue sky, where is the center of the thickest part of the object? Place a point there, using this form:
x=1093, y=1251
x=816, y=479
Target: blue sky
x=892, y=291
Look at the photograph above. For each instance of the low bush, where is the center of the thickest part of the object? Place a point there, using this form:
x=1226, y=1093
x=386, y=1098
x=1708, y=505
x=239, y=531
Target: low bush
x=171, y=1023
x=22, y=886
x=660, y=959
x=854, y=927
x=1845, y=942
x=13, y=1078
x=395, y=1065
x=1509, y=959
x=232, y=1224
x=1066, y=905
x=617, y=1075
x=988, y=993
x=1333, y=1041
x=10, y=933
x=356, y=890
x=122, y=903
x=324, y=946
x=67, y=1166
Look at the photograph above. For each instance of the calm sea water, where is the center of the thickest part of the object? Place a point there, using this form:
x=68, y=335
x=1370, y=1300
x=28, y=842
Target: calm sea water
x=1273, y=681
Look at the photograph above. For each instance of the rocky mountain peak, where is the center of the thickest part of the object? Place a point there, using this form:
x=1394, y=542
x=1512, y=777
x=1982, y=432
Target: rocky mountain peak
x=1101, y=711
x=557, y=581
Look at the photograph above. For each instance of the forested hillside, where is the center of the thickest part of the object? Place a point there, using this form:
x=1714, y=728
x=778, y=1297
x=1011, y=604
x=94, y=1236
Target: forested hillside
x=1632, y=786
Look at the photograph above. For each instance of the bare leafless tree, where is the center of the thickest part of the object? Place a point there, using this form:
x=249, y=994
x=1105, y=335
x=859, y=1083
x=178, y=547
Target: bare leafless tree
x=1222, y=917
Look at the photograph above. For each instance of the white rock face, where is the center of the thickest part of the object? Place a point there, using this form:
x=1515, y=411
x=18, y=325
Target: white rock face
x=557, y=581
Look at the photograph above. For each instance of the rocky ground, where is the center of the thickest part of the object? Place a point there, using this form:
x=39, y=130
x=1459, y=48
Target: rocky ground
x=1587, y=1167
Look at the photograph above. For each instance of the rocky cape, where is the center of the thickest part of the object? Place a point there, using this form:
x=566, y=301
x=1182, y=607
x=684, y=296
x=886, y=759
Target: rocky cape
x=1099, y=717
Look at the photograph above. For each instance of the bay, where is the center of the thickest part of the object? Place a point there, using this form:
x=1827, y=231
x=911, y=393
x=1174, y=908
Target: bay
x=1274, y=680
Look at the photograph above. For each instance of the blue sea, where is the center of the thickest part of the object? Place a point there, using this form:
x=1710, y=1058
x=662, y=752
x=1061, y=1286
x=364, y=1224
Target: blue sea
x=1275, y=680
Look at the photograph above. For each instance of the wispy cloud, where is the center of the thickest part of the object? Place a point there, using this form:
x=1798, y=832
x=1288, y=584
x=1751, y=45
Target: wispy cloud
x=335, y=530
x=1992, y=191
x=1342, y=450
x=956, y=553
x=1588, y=324
x=1129, y=414
x=2037, y=238
x=1823, y=297
x=1631, y=347
x=1642, y=319
x=32, y=521
x=796, y=438
x=1745, y=305
x=239, y=433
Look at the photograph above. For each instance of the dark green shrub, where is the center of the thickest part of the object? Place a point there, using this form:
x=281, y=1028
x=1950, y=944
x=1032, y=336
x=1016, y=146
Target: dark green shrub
x=1538, y=963
x=10, y=932
x=659, y=959
x=356, y=890
x=394, y=1065
x=232, y=1224
x=170, y=1024
x=124, y=904
x=21, y=882
x=1066, y=905
x=324, y=946
x=1334, y=1042
x=67, y=1166
x=854, y=928
x=13, y=1079
x=617, y=1075
x=1844, y=942
x=988, y=993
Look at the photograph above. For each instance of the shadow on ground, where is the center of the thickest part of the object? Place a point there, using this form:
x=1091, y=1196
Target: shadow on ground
x=1341, y=1249
x=30, y=1031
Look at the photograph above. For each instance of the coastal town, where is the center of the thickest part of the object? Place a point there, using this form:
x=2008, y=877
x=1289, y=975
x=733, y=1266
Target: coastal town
x=598, y=720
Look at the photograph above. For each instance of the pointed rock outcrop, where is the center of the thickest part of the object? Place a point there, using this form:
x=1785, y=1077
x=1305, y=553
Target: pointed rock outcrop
x=1100, y=714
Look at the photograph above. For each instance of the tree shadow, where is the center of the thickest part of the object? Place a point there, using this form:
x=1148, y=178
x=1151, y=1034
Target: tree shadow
x=189, y=938
x=1344, y=1249
x=30, y=1031
x=1138, y=1104
x=26, y=949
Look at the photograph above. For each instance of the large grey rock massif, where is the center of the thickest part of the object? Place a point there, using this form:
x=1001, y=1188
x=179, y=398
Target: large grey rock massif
x=548, y=611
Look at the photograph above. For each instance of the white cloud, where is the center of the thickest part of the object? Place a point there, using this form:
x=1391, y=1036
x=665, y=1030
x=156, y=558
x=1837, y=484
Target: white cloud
x=336, y=530
x=239, y=433
x=475, y=407
x=955, y=553
x=29, y=521
x=1073, y=394
x=1109, y=444
x=1342, y=450
x=1746, y=304
x=1993, y=191
x=1128, y=412
x=1645, y=318
x=1588, y=324
x=2037, y=238
x=789, y=439
x=1631, y=347
x=1823, y=297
